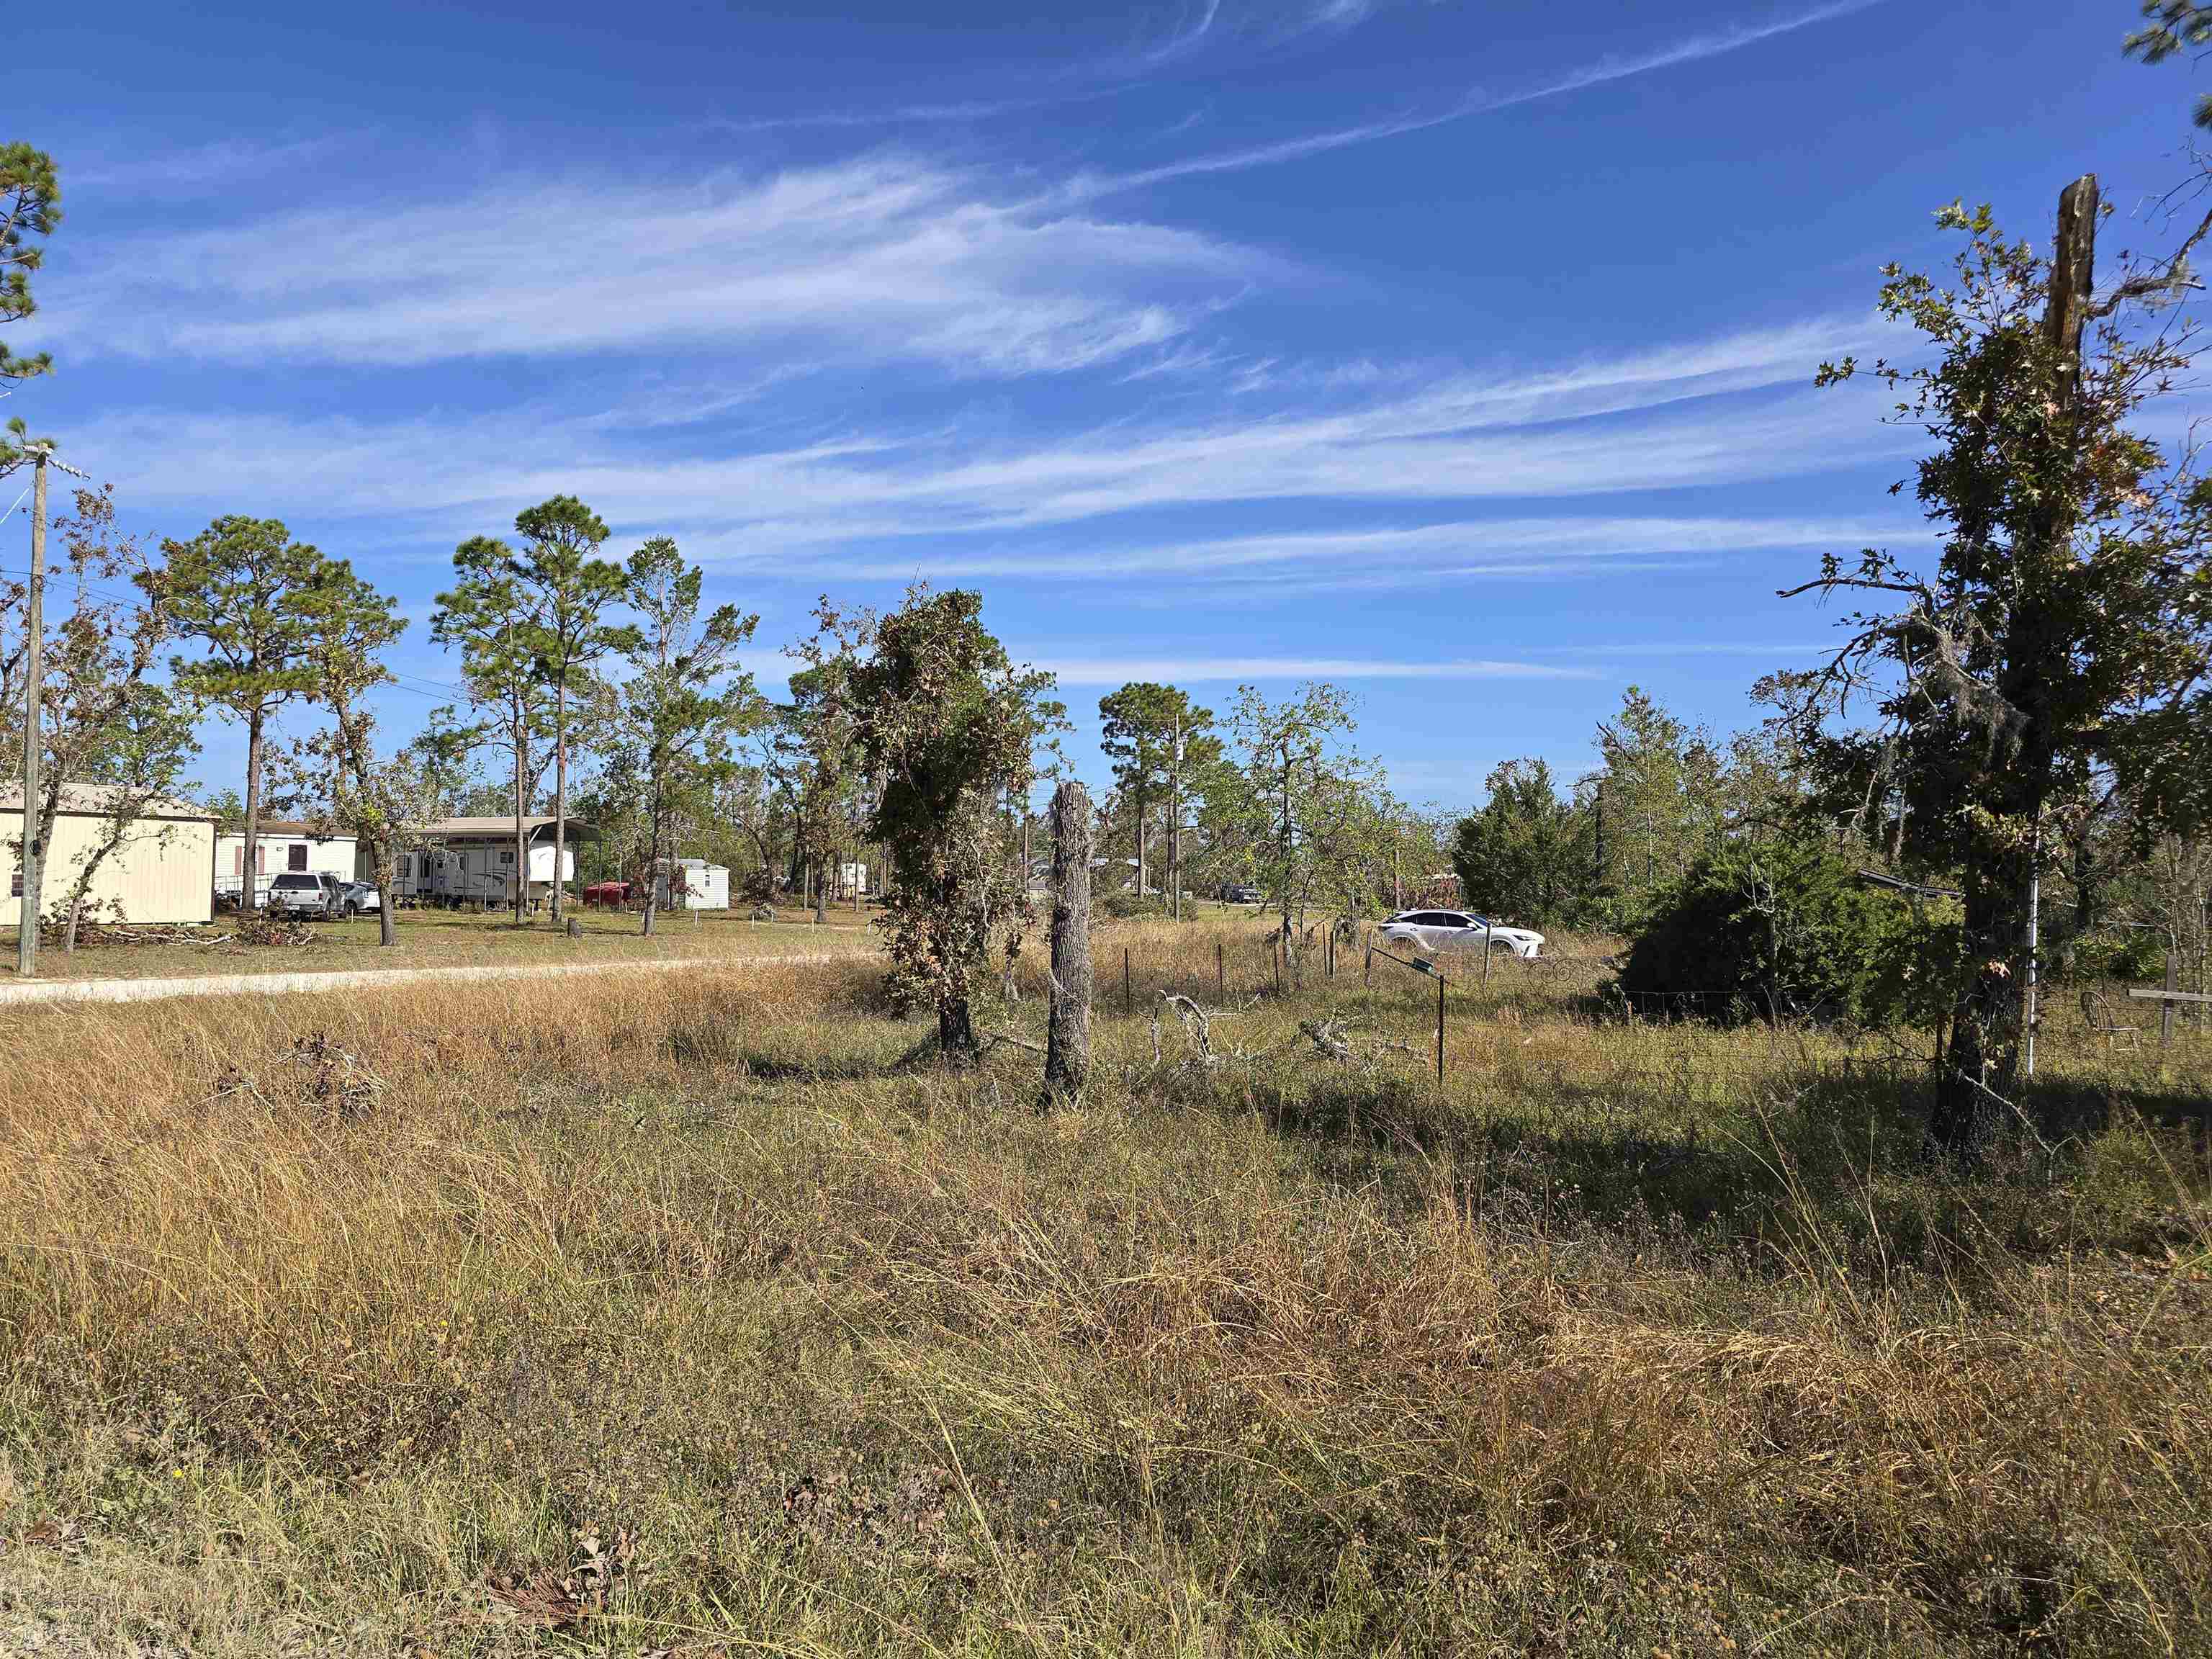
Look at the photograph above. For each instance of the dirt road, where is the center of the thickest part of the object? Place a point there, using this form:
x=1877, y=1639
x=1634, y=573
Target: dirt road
x=299, y=984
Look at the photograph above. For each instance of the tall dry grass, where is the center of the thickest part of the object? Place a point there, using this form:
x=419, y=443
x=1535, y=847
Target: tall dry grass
x=679, y=1313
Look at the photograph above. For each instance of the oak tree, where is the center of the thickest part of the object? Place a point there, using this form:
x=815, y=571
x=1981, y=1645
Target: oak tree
x=105, y=723
x=950, y=725
x=2059, y=651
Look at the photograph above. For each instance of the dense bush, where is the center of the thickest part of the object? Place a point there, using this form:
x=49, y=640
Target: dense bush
x=1122, y=904
x=2136, y=953
x=1913, y=976
x=1775, y=930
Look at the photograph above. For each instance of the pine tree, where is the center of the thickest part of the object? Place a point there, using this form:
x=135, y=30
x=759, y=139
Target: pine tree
x=258, y=604
x=486, y=618
x=569, y=591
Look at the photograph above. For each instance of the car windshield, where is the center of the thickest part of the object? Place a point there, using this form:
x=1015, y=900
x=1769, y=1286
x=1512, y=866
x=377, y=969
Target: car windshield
x=293, y=884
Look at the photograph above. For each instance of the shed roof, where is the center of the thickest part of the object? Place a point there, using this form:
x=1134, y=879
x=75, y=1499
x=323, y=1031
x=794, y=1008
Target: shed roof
x=293, y=827
x=94, y=799
x=531, y=824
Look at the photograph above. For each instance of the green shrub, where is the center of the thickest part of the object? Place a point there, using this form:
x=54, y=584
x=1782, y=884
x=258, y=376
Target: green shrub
x=1123, y=904
x=2136, y=953
x=1913, y=977
x=1774, y=930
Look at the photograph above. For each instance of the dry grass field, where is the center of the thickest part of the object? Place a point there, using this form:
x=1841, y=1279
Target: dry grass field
x=448, y=938
x=691, y=1316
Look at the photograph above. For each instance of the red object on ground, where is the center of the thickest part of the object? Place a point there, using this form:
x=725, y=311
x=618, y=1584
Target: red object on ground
x=610, y=894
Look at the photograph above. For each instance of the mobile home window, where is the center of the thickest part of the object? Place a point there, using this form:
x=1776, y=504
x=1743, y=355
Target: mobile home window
x=296, y=856
x=507, y=856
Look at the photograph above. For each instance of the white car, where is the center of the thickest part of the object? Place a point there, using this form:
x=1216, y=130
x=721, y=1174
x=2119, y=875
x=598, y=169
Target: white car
x=1458, y=930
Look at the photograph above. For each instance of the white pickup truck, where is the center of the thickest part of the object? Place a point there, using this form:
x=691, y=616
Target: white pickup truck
x=311, y=893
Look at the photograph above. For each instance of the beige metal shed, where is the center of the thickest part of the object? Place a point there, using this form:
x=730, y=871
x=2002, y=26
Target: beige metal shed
x=163, y=871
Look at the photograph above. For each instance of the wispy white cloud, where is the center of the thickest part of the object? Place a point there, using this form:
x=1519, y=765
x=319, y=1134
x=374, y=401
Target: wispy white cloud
x=885, y=258
x=1713, y=412
x=1204, y=670
x=1196, y=24
x=195, y=170
x=1077, y=81
x=1577, y=545
x=1683, y=648
x=1690, y=49
x=886, y=115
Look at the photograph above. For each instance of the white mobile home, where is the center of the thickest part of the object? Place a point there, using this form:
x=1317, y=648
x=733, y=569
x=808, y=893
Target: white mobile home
x=283, y=845
x=466, y=861
x=162, y=871
x=699, y=886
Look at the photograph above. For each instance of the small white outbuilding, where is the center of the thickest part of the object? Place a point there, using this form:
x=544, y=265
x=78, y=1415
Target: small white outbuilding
x=161, y=869
x=699, y=886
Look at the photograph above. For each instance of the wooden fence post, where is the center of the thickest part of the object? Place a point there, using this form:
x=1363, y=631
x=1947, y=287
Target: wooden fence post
x=1128, y=1001
x=1067, y=1024
x=1221, y=969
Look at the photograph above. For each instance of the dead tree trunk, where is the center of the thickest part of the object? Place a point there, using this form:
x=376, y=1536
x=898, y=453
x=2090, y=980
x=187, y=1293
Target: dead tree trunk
x=1994, y=1010
x=1067, y=1030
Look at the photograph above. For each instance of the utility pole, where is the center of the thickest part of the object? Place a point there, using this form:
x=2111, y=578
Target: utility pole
x=34, y=639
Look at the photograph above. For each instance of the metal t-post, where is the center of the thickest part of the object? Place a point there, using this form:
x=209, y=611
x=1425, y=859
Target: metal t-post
x=1440, y=1031
x=2173, y=983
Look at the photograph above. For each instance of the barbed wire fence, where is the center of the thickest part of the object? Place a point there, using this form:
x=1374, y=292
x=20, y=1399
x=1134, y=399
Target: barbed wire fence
x=1449, y=991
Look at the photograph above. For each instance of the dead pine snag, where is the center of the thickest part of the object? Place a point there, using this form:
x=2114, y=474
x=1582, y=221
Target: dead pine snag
x=1068, y=1029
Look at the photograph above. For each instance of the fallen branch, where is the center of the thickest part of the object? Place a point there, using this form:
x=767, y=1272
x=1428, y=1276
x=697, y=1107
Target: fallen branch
x=1331, y=1038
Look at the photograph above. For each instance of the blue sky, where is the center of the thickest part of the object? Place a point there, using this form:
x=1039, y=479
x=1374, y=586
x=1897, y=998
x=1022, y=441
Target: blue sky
x=1461, y=352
